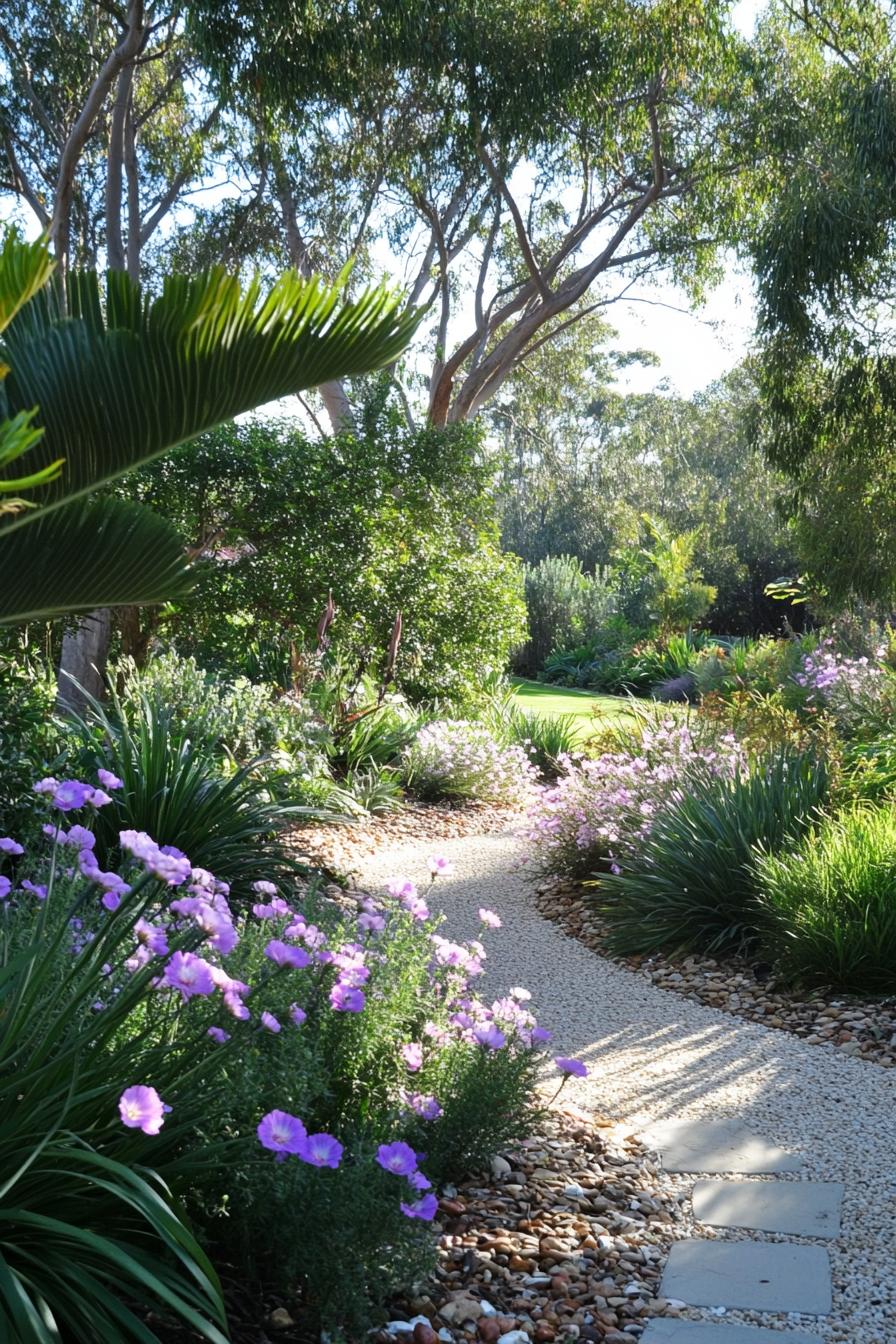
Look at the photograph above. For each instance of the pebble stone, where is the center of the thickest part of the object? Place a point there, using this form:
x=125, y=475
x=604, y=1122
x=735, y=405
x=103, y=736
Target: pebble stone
x=657, y=1056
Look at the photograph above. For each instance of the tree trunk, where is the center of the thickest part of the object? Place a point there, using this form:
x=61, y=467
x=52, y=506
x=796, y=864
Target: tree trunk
x=82, y=666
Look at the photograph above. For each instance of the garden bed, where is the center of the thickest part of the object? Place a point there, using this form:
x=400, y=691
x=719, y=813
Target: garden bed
x=865, y=1028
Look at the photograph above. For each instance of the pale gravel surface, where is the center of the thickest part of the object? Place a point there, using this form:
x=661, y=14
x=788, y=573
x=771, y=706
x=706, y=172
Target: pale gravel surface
x=654, y=1055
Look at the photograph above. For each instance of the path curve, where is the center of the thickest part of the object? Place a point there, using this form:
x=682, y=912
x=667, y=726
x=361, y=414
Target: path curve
x=654, y=1055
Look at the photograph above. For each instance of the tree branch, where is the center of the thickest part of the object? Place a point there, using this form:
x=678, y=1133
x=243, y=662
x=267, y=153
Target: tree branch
x=521, y=234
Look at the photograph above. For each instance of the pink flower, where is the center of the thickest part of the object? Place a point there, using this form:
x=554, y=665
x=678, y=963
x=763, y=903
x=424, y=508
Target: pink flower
x=270, y=1023
x=189, y=975
x=142, y=1108
x=412, y=1054
x=572, y=1066
x=108, y=780
x=489, y=919
x=321, y=1150
x=398, y=1157
x=425, y=1208
x=439, y=866
x=283, y=955
x=281, y=1133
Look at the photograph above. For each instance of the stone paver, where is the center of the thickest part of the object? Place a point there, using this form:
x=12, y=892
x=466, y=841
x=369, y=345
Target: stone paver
x=717, y=1146
x=802, y=1208
x=752, y=1275
x=701, y=1332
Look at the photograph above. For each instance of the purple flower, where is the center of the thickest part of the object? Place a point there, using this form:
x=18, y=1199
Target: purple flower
x=281, y=1133
x=346, y=999
x=270, y=1023
x=321, y=1150
x=572, y=1066
x=491, y=1037
x=98, y=798
x=542, y=1035
x=402, y=888
x=489, y=919
x=425, y=1208
x=189, y=974
x=297, y=1014
x=439, y=866
x=71, y=794
x=398, y=1157
x=412, y=1054
x=284, y=955
x=153, y=937
x=5, y=888
x=371, y=922
x=108, y=780
x=47, y=785
x=9, y=846
x=219, y=1035
x=265, y=889
x=235, y=1006
x=142, y=1108
x=417, y=1181
x=37, y=889
x=111, y=900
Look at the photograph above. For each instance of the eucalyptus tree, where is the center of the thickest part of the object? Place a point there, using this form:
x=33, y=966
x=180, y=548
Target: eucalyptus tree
x=825, y=256
x=106, y=124
x=531, y=161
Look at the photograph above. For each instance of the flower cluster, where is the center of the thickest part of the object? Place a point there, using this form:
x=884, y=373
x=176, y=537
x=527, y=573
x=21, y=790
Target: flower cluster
x=600, y=809
x=852, y=689
x=455, y=759
x=184, y=940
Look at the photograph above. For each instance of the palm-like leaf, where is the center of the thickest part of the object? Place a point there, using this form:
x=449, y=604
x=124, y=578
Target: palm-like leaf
x=120, y=378
x=87, y=555
x=118, y=387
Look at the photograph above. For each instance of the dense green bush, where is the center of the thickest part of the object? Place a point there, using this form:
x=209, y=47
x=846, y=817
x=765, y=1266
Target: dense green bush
x=830, y=904
x=30, y=739
x=392, y=521
x=691, y=886
x=564, y=608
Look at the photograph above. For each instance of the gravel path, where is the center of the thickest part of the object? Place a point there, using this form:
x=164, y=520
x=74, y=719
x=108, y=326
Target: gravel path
x=654, y=1055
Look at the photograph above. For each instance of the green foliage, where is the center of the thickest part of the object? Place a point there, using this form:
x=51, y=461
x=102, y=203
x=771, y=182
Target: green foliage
x=175, y=792
x=376, y=789
x=829, y=905
x=691, y=885
x=390, y=522
x=29, y=737
x=224, y=350
x=658, y=581
x=564, y=607
x=545, y=738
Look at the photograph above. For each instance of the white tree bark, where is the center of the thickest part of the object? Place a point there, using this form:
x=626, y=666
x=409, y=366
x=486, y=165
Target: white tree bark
x=82, y=667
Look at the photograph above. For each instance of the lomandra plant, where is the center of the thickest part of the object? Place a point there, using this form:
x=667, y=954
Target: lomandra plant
x=452, y=758
x=829, y=904
x=291, y=1062
x=691, y=885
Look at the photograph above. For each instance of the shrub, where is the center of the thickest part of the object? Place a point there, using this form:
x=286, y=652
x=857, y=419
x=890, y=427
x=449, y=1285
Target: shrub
x=860, y=693
x=359, y=1022
x=830, y=905
x=690, y=886
x=455, y=759
x=601, y=810
x=564, y=606
x=546, y=738
x=173, y=791
x=30, y=740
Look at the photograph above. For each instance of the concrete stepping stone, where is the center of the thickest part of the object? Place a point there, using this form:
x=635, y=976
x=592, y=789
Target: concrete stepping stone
x=802, y=1208
x=755, y=1276
x=668, y=1331
x=717, y=1146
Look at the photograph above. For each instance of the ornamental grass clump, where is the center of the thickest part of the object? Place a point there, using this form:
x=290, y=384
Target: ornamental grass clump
x=178, y=1076
x=690, y=886
x=830, y=904
x=452, y=758
x=599, y=811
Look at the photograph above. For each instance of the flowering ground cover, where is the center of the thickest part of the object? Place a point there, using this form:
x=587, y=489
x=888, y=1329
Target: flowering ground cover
x=301, y=1064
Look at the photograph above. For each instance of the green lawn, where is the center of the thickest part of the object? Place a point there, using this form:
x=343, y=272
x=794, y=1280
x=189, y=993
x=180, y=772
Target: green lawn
x=537, y=698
